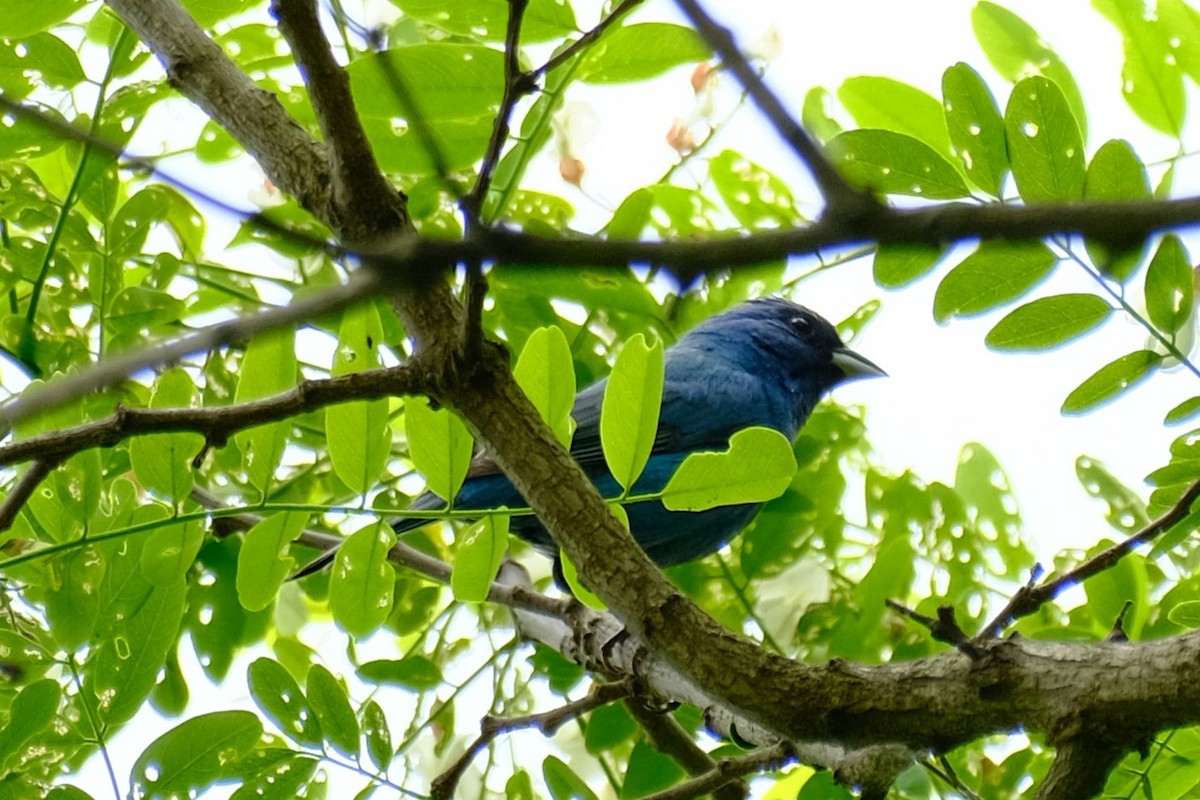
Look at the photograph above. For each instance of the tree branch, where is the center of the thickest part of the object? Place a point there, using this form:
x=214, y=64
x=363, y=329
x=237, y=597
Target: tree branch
x=667, y=736
x=1029, y=599
x=24, y=488
x=365, y=206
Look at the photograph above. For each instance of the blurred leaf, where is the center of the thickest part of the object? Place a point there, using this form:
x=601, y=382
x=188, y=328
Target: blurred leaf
x=195, y=754
x=263, y=561
x=283, y=775
x=31, y=712
x=360, y=589
x=170, y=550
x=278, y=696
x=488, y=19
x=756, y=197
x=976, y=128
x=1111, y=381
x=268, y=367
x=163, y=461
x=563, y=783
x=671, y=212
x=1150, y=80
x=332, y=705
x=1048, y=322
x=816, y=116
x=995, y=274
x=891, y=105
x=71, y=598
x=1017, y=51
x=1116, y=174
x=439, y=444
x=1044, y=143
x=1183, y=22
x=758, y=466
x=1183, y=412
x=357, y=433
x=629, y=414
x=412, y=672
x=893, y=163
x=609, y=726
x=378, y=736
x=39, y=59
x=641, y=51
x=477, y=559
x=898, y=265
x=546, y=373
x=1126, y=511
x=1169, y=286
x=1186, y=614
x=648, y=771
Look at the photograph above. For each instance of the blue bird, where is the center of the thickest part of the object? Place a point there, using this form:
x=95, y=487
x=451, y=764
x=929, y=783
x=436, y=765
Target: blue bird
x=765, y=362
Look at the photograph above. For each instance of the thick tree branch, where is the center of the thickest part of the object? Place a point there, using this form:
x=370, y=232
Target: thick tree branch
x=254, y=117
x=1081, y=766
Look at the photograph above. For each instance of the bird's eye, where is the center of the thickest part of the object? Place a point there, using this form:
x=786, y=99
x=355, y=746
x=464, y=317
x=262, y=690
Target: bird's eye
x=802, y=325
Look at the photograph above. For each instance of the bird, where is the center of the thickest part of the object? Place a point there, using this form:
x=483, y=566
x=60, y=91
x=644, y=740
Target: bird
x=765, y=362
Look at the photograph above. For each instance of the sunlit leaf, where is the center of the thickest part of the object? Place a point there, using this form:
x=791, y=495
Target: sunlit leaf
x=893, y=163
x=757, y=467
x=995, y=274
x=1111, y=381
x=1048, y=322
x=1044, y=143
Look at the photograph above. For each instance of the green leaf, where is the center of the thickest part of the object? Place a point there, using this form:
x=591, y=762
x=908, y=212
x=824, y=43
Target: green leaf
x=414, y=672
x=357, y=433
x=629, y=414
x=329, y=700
x=639, y=52
x=41, y=59
x=1111, y=381
x=170, y=551
x=477, y=559
x=194, y=755
x=1186, y=614
x=892, y=163
x=378, y=736
x=995, y=274
x=276, y=774
x=267, y=368
x=649, y=771
x=898, y=265
x=755, y=197
x=562, y=781
x=1150, y=79
x=31, y=712
x=1170, y=286
x=1183, y=412
x=1017, y=51
x=263, y=561
x=816, y=116
x=71, y=598
x=276, y=692
x=757, y=467
x=1044, y=143
x=1183, y=21
x=439, y=444
x=445, y=81
x=1048, y=322
x=488, y=19
x=360, y=590
x=891, y=105
x=976, y=128
x=519, y=787
x=35, y=17
x=1116, y=174
x=163, y=461
x=546, y=373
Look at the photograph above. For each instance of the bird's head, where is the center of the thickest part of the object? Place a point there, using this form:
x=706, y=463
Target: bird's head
x=777, y=334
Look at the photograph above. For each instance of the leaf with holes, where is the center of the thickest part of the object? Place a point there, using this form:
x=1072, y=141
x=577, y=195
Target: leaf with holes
x=893, y=163
x=1044, y=143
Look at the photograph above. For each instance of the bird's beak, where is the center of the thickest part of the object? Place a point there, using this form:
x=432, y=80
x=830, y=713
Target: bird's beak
x=854, y=365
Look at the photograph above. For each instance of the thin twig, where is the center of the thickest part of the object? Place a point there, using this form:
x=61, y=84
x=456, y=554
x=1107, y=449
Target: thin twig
x=944, y=628
x=668, y=736
x=944, y=770
x=585, y=41
x=1029, y=599
x=114, y=369
x=24, y=488
x=444, y=785
x=839, y=195
x=764, y=759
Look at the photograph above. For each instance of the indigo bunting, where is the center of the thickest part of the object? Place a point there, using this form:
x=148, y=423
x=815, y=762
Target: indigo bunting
x=765, y=362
